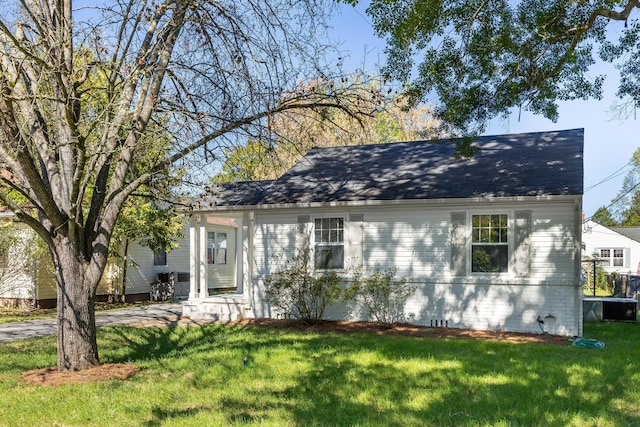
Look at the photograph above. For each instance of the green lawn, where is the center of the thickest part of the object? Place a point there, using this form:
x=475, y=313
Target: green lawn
x=195, y=377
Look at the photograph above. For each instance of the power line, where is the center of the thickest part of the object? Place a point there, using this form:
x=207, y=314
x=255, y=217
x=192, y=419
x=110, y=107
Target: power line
x=613, y=175
x=617, y=199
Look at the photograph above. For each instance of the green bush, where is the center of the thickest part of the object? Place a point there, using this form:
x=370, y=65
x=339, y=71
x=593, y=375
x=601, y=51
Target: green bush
x=297, y=291
x=382, y=294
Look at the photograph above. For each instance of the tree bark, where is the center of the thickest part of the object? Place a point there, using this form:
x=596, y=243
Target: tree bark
x=77, y=343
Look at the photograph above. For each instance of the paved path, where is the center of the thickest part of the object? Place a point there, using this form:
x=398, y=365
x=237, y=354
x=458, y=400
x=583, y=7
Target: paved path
x=154, y=314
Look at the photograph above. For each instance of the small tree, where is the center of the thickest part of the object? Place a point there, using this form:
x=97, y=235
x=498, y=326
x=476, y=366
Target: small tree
x=391, y=119
x=297, y=291
x=604, y=217
x=382, y=294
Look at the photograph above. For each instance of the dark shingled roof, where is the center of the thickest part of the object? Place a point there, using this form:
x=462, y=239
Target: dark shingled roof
x=527, y=164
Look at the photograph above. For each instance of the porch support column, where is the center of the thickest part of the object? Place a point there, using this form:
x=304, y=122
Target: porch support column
x=202, y=259
x=194, y=256
x=248, y=284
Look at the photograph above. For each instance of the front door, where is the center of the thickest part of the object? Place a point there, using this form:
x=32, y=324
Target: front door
x=221, y=259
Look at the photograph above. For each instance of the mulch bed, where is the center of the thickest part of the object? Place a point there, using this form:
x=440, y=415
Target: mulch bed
x=53, y=377
x=410, y=330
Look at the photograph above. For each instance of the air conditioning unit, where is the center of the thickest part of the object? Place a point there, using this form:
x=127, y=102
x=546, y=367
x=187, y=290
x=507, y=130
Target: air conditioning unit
x=618, y=309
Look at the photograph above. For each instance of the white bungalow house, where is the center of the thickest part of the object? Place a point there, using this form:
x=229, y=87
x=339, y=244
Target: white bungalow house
x=416, y=207
x=616, y=248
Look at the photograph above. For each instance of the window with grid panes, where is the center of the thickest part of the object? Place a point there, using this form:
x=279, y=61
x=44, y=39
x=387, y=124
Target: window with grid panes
x=329, y=243
x=489, y=243
x=618, y=257
x=612, y=257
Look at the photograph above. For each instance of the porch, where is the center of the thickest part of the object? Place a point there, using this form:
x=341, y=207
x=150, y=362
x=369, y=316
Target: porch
x=217, y=288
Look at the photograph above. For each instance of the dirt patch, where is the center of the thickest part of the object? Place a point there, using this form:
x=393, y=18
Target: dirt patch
x=53, y=377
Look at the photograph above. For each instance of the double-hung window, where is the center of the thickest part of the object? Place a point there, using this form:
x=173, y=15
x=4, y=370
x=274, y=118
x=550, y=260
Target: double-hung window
x=612, y=257
x=329, y=243
x=160, y=258
x=489, y=243
x=216, y=247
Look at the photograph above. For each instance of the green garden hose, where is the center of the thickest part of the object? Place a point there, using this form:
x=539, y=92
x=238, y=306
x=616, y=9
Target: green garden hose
x=586, y=343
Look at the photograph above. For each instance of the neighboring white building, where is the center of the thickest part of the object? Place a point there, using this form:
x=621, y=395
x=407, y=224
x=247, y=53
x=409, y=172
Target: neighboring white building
x=617, y=248
x=146, y=268
x=26, y=273
x=414, y=206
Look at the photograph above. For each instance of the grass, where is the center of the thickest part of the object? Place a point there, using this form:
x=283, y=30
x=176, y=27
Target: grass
x=12, y=314
x=588, y=292
x=196, y=377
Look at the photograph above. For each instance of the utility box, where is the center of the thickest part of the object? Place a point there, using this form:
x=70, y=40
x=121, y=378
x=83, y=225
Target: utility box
x=597, y=309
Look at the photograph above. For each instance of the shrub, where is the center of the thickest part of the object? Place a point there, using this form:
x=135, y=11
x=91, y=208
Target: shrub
x=382, y=295
x=297, y=291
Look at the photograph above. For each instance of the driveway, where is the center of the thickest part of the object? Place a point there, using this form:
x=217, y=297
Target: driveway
x=145, y=315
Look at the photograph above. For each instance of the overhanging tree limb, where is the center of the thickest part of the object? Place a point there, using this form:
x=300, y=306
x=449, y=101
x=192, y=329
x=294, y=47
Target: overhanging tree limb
x=479, y=60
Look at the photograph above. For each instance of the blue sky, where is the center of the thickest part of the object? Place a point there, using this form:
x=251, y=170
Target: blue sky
x=609, y=141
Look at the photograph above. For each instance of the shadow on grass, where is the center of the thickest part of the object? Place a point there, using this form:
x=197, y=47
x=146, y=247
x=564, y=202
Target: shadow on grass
x=404, y=381
x=122, y=344
x=374, y=380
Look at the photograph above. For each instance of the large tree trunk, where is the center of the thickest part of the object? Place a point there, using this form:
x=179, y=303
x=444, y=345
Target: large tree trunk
x=77, y=344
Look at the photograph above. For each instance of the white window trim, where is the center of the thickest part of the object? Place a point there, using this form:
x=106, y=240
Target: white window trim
x=345, y=241
x=611, y=258
x=510, y=240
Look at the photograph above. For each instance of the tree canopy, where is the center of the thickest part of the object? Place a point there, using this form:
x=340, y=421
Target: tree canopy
x=483, y=59
x=603, y=217
x=89, y=94
x=391, y=120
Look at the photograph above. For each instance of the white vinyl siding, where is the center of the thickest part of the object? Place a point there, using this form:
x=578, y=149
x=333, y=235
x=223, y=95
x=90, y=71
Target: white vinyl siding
x=597, y=238
x=274, y=240
x=417, y=241
x=417, y=247
x=552, y=239
x=141, y=272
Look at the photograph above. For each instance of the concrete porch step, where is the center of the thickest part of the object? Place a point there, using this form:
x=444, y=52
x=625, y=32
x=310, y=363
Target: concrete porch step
x=223, y=308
